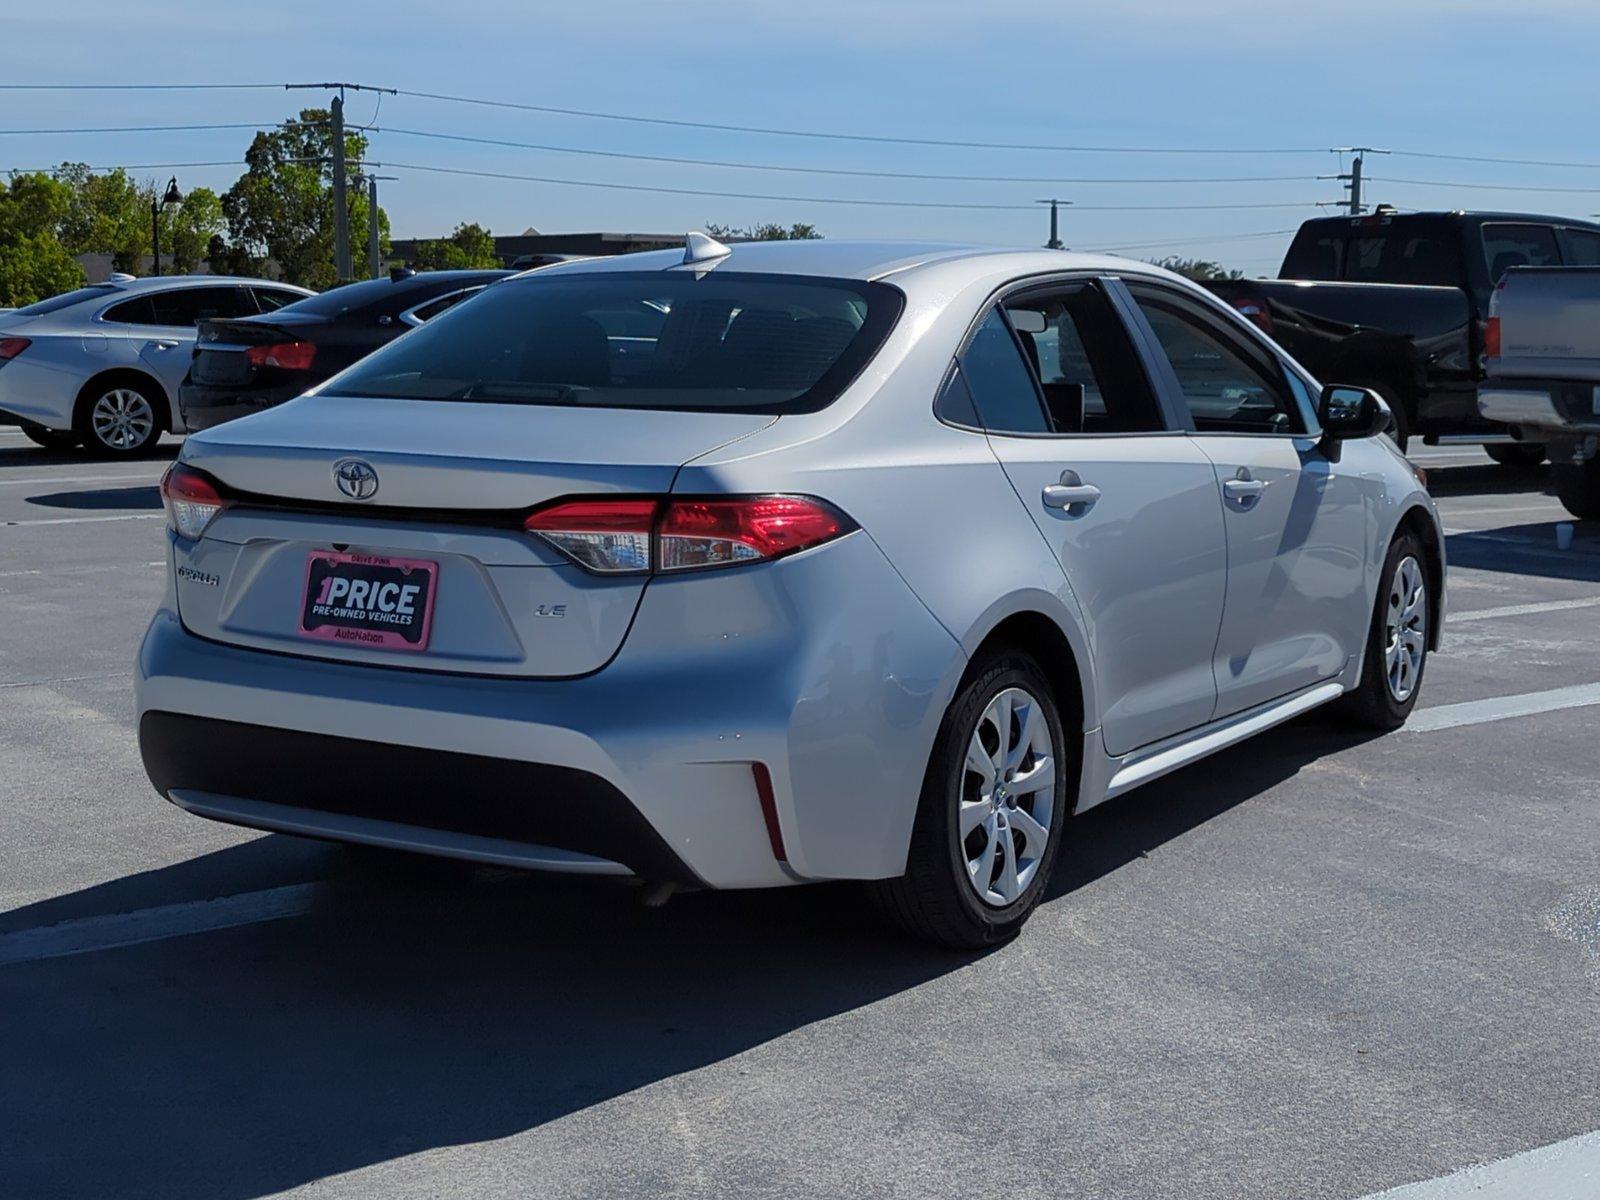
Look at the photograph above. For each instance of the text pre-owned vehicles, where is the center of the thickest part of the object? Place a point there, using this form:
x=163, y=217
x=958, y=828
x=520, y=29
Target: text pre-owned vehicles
x=1398, y=302
x=255, y=362
x=100, y=366
x=1543, y=372
x=881, y=562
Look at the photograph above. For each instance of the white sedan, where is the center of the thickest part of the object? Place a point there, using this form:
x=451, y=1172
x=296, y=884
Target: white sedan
x=100, y=366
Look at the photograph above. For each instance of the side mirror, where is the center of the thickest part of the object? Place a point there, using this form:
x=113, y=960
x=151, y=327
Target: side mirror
x=1346, y=413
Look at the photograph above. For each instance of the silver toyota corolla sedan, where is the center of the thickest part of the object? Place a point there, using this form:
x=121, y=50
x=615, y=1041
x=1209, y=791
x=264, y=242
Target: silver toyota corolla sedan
x=100, y=366
x=791, y=562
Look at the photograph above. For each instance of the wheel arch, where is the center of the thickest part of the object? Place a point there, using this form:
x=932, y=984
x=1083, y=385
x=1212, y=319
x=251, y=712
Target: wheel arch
x=1418, y=520
x=125, y=375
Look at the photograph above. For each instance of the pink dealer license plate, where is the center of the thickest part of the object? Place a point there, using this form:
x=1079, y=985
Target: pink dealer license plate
x=368, y=600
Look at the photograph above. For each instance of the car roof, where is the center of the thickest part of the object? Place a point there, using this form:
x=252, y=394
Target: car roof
x=845, y=259
x=150, y=283
x=1476, y=214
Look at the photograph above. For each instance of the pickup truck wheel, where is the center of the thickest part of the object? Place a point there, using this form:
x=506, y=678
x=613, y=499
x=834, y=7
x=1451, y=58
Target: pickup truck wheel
x=1578, y=486
x=1517, y=455
x=1397, y=640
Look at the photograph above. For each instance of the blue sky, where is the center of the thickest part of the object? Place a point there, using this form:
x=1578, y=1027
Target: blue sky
x=1463, y=77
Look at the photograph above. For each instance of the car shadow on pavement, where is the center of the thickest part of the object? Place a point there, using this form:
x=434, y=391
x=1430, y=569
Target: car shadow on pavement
x=29, y=455
x=424, y=1003
x=1528, y=549
x=145, y=497
x=1489, y=479
x=1113, y=834
x=421, y=1004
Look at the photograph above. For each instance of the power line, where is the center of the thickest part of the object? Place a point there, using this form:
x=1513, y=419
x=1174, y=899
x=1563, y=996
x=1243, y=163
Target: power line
x=1193, y=241
x=1507, y=162
x=749, y=166
x=135, y=87
x=171, y=166
x=257, y=125
x=846, y=137
x=1490, y=187
x=633, y=187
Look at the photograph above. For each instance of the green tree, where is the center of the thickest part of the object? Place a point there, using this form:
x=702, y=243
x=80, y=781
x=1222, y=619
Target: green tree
x=109, y=214
x=281, y=208
x=799, y=231
x=33, y=262
x=188, y=228
x=471, y=245
x=1197, y=268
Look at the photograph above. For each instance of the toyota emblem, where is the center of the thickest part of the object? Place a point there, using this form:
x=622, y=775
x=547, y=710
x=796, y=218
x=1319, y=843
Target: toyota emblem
x=355, y=478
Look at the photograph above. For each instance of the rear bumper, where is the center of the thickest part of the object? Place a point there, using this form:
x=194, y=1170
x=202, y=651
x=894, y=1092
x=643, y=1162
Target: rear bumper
x=523, y=813
x=203, y=407
x=822, y=668
x=1542, y=403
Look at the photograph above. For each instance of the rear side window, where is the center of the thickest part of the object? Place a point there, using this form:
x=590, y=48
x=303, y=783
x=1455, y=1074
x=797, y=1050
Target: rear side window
x=65, y=300
x=1229, y=384
x=999, y=380
x=1087, y=367
x=1580, y=247
x=272, y=299
x=725, y=342
x=1507, y=246
x=184, y=306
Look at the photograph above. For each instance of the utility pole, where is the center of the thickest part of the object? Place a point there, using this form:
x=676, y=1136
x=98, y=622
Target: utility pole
x=1055, y=239
x=341, y=211
x=1352, y=178
x=374, y=255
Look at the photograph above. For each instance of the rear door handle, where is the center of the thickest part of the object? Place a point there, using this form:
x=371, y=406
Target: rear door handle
x=162, y=345
x=1072, y=494
x=1243, y=492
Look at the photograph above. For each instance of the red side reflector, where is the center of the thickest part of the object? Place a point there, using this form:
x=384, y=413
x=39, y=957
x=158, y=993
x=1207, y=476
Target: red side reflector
x=769, y=810
x=1491, y=337
x=288, y=356
x=12, y=346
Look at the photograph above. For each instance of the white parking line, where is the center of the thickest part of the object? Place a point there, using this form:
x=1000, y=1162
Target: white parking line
x=86, y=934
x=1476, y=712
x=87, y=520
x=1554, y=508
x=1568, y=1170
x=56, y=480
x=1521, y=610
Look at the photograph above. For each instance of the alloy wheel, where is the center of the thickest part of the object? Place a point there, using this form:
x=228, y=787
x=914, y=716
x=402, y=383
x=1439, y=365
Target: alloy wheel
x=1007, y=797
x=1405, y=628
x=122, y=419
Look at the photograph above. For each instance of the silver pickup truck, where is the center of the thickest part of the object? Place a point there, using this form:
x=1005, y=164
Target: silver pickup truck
x=1542, y=372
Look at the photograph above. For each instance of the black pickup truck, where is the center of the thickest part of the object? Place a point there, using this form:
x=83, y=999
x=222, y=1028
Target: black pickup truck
x=1397, y=302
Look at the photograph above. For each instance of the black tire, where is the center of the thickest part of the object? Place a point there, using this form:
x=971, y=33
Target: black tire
x=1519, y=456
x=1578, y=486
x=935, y=899
x=50, y=439
x=87, y=429
x=1373, y=704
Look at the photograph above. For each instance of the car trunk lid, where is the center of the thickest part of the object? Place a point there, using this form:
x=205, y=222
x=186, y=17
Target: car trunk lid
x=450, y=483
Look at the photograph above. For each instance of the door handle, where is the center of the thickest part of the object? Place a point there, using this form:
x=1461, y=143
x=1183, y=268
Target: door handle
x=162, y=345
x=1071, y=494
x=1243, y=490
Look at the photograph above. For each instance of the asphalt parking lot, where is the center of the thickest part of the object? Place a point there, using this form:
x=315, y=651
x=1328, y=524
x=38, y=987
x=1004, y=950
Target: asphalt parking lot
x=1317, y=965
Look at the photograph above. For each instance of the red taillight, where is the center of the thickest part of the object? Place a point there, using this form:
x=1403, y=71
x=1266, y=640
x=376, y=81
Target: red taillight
x=289, y=356
x=192, y=498
x=1491, y=337
x=1254, y=311
x=13, y=346
x=610, y=536
x=640, y=535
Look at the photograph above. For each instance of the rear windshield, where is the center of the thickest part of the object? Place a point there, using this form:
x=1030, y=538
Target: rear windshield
x=65, y=300
x=720, y=342
x=1376, y=250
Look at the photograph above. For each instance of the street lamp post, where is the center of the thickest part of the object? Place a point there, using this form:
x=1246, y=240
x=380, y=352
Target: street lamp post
x=172, y=196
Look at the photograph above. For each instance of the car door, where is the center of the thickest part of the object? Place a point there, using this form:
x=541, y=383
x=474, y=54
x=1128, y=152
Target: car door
x=166, y=325
x=1296, y=525
x=1126, y=504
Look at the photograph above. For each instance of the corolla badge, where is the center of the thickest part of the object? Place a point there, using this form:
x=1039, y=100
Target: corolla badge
x=355, y=478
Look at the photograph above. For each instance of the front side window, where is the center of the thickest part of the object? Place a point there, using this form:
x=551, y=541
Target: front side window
x=726, y=342
x=1229, y=385
x=1507, y=246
